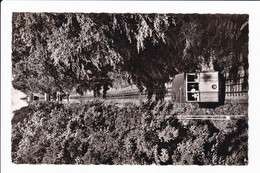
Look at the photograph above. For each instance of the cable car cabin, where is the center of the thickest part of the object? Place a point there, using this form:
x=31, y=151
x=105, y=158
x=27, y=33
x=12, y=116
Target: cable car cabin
x=196, y=87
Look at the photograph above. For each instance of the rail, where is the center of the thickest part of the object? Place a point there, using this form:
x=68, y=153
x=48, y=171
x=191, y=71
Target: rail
x=211, y=117
x=231, y=96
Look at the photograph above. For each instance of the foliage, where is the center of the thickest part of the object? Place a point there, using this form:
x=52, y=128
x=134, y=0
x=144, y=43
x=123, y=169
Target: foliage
x=63, y=51
x=103, y=133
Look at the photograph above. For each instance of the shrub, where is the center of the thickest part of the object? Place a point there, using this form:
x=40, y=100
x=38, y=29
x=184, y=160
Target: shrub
x=103, y=133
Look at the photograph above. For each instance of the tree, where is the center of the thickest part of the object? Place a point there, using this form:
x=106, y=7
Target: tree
x=29, y=47
x=65, y=51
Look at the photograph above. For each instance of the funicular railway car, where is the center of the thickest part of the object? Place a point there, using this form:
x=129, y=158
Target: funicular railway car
x=199, y=87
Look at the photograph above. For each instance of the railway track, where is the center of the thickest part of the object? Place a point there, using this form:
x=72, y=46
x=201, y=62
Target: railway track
x=211, y=117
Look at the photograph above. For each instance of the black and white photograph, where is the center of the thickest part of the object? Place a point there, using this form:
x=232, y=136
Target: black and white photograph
x=129, y=88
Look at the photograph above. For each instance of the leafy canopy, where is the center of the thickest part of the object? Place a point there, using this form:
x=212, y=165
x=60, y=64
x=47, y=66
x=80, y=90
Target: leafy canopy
x=77, y=51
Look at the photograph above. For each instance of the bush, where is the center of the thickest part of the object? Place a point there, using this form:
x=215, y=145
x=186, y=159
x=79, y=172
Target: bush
x=103, y=133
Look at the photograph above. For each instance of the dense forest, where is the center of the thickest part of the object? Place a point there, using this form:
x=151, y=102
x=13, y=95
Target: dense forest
x=78, y=52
